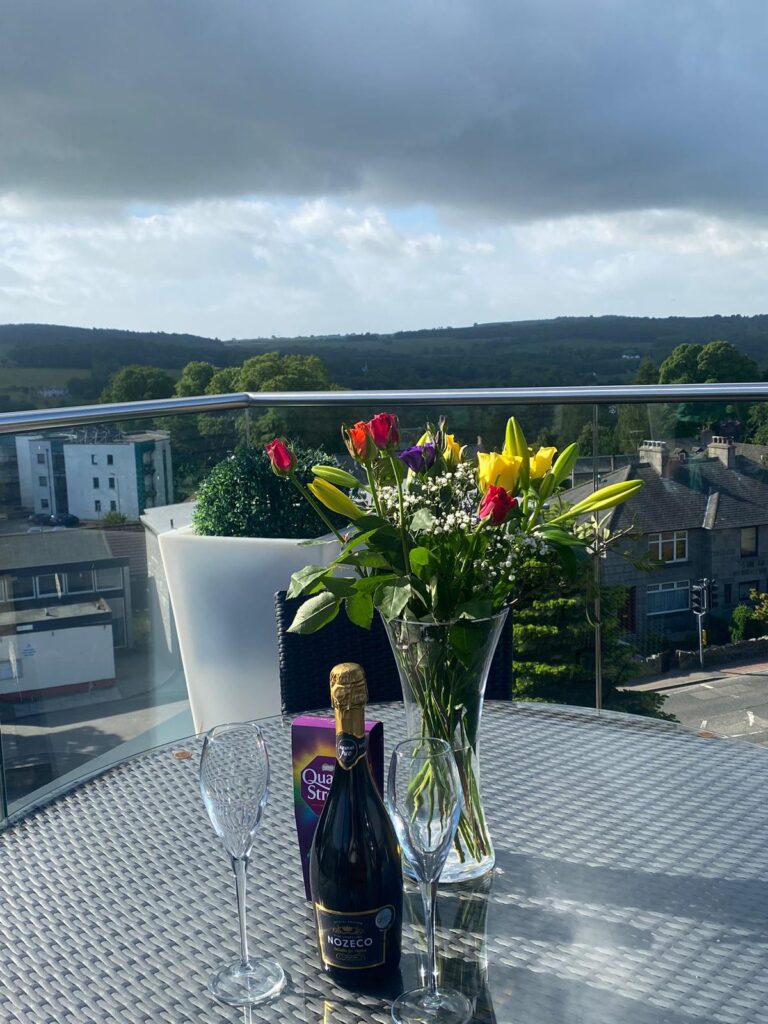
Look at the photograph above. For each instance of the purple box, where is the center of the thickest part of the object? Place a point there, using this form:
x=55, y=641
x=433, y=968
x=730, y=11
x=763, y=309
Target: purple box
x=313, y=747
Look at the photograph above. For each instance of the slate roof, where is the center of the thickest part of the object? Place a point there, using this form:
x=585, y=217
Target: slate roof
x=52, y=547
x=700, y=493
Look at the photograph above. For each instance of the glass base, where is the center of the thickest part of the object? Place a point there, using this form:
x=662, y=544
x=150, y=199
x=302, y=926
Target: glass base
x=420, y=1006
x=241, y=984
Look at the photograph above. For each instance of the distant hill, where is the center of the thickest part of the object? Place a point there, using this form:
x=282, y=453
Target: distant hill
x=565, y=350
x=51, y=345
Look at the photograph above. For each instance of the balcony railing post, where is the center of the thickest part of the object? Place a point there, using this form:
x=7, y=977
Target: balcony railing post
x=596, y=569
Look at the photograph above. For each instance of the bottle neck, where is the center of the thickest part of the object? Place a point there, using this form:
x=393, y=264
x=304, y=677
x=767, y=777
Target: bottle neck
x=350, y=736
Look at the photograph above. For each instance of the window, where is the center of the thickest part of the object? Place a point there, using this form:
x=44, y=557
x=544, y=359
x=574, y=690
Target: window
x=97, y=505
x=49, y=585
x=728, y=593
x=93, y=460
x=43, y=481
x=41, y=458
x=21, y=588
x=746, y=587
x=96, y=483
x=113, y=506
x=110, y=460
x=79, y=582
x=109, y=579
x=112, y=483
x=666, y=598
x=44, y=503
x=748, y=541
x=671, y=546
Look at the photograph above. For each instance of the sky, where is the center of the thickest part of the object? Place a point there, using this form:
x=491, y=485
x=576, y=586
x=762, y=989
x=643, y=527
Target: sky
x=247, y=168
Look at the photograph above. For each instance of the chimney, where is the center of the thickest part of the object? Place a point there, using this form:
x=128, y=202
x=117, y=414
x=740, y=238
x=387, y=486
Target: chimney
x=724, y=449
x=656, y=454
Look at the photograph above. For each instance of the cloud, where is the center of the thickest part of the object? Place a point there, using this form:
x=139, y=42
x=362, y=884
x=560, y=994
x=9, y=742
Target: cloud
x=508, y=109
x=246, y=268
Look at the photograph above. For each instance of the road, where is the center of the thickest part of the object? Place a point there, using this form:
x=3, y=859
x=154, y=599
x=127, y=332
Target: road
x=734, y=704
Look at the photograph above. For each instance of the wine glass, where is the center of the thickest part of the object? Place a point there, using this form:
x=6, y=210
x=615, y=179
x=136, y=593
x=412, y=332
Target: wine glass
x=424, y=801
x=234, y=781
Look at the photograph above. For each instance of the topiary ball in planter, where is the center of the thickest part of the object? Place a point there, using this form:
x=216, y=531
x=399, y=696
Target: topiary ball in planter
x=242, y=497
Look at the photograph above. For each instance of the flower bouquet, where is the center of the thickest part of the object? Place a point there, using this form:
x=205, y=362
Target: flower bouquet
x=436, y=543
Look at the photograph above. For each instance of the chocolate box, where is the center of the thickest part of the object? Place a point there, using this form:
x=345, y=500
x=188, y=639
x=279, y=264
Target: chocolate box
x=313, y=746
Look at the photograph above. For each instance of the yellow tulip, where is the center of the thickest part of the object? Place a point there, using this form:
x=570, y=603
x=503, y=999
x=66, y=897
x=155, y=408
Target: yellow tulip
x=541, y=462
x=498, y=471
x=452, y=450
x=334, y=499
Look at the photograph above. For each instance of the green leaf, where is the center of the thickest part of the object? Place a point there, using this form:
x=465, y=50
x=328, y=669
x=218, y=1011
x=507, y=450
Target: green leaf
x=422, y=520
x=421, y=563
x=359, y=610
x=370, y=584
x=476, y=609
x=372, y=560
x=392, y=598
x=304, y=579
x=340, y=586
x=557, y=536
x=339, y=477
x=315, y=613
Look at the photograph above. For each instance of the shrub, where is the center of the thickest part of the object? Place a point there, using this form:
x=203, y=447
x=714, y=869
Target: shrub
x=750, y=620
x=242, y=497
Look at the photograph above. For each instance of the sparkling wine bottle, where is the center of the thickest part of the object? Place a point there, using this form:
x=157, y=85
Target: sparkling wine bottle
x=354, y=869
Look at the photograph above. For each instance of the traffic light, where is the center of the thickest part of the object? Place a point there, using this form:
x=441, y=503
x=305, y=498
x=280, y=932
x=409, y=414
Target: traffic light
x=698, y=597
x=712, y=595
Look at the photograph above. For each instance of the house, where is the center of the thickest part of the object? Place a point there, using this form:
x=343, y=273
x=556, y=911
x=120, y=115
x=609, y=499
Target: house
x=58, y=568
x=92, y=472
x=703, y=513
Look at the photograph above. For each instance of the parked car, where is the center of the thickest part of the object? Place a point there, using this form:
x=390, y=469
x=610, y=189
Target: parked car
x=63, y=519
x=40, y=519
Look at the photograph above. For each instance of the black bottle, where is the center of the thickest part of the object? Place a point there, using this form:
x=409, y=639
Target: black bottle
x=354, y=869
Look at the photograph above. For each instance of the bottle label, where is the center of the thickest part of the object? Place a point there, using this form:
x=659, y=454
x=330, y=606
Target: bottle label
x=350, y=749
x=354, y=942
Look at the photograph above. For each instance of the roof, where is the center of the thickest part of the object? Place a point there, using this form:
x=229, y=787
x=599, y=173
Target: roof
x=52, y=547
x=22, y=616
x=700, y=493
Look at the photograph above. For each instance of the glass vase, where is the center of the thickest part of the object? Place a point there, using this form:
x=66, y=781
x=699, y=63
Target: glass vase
x=443, y=670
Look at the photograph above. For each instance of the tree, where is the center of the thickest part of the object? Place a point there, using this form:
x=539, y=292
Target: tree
x=681, y=366
x=554, y=645
x=138, y=384
x=647, y=372
x=718, y=362
x=721, y=363
x=194, y=379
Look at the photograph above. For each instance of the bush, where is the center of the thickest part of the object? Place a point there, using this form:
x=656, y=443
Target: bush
x=750, y=620
x=242, y=497
x=114, y=519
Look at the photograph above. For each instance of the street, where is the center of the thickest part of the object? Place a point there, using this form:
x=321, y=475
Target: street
x=732, y=704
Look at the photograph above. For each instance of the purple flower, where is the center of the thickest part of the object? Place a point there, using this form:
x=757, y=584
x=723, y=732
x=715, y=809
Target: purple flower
x=418, y=458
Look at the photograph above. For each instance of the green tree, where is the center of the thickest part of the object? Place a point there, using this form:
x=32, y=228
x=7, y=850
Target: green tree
x=138, y=384
x=681, y=366
x=194, y=379
x=554, y=645
x=721, y=363
x=647, y=372
x=718, y=362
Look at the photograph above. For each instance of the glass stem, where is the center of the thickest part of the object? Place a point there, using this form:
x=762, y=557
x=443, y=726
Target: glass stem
x=240, y=866
x=429, y=897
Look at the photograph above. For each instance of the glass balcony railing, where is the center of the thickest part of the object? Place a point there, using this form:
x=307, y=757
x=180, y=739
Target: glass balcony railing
x=91, y=669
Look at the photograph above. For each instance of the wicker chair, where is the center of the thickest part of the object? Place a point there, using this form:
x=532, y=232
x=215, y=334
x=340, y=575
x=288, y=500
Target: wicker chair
x=306, y=661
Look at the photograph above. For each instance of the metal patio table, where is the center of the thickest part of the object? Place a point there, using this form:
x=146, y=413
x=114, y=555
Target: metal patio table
x=631, y=887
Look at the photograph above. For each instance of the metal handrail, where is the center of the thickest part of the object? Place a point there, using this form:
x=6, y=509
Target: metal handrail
x=43, y=419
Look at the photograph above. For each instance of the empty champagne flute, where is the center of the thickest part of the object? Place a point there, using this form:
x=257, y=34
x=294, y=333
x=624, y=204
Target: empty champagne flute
x=424, y=801
x=234, y=781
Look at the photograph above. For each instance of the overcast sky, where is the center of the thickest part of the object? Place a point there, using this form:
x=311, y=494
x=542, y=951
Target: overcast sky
x=257, y=167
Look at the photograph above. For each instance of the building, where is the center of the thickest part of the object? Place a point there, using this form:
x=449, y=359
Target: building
x=55, y=569
x=94, y=471
x=703, y=513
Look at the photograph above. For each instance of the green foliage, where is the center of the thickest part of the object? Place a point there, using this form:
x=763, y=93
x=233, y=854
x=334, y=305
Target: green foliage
x=194, y=379
x=750, y=620
x=114, y=519
x=137, y=384
x=554, y=643
x=242, y=497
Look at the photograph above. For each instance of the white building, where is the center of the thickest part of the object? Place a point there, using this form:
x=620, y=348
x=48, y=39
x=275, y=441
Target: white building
x=93, y=472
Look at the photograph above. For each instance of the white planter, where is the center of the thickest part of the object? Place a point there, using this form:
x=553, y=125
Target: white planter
x=222, y=593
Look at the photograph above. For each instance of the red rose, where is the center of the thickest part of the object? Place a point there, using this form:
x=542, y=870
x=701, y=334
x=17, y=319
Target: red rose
x=497, y=504
x=359, y=441
x=383, y=430
x=282, y=458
